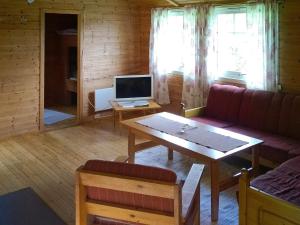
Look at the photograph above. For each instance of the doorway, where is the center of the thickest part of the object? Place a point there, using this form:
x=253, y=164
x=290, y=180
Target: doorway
x=61, y=74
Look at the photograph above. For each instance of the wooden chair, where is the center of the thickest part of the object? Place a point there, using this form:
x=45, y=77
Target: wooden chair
x=116, y=193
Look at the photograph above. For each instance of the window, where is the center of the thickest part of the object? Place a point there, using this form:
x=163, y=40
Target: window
x=230, y=28
x=174, y=40
x=242, y=45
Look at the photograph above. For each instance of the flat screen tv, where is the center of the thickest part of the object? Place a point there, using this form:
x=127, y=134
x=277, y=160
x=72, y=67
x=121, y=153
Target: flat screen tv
x=133, y=87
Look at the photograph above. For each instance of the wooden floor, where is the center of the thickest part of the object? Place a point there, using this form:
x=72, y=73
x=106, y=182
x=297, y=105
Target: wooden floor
x=47, y=161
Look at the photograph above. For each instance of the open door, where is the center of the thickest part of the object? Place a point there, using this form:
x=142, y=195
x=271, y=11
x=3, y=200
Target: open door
x=60, y=75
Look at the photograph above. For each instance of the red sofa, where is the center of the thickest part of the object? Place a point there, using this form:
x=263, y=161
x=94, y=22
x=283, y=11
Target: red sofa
x=272, y=117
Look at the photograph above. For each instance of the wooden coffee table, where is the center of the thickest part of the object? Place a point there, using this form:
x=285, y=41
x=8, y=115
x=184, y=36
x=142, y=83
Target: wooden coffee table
x=210, y=157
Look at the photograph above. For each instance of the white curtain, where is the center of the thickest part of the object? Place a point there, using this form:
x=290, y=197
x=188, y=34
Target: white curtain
x=271, y=8
x=172, y=50
x=256, y=57
x=159, y=66
x=195, y=85
x=190, y=92
x=262, y=19
x=211, y=43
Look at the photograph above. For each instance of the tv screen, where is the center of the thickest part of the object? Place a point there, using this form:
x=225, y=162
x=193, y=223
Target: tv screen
x=133, y=87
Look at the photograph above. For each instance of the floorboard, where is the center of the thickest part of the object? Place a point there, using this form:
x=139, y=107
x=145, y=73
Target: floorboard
x=46, y=162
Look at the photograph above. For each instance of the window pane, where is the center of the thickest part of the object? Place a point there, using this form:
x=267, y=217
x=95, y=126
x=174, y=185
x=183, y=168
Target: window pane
x=225, y=23
x=240, y=22
x=174, y=40
x=231, y=42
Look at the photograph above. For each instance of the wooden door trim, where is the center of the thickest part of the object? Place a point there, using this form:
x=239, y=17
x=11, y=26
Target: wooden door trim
x=80, y=24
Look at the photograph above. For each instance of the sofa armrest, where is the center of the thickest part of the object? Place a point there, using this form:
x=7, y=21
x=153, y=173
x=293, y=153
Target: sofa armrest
x=188, y=113
x=122, y=158
x=191, y=189
x=194, y=112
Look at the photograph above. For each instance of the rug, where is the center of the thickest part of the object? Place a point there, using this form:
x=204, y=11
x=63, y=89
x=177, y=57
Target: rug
x=52, y=116
x=25, y=207
x=228, y=211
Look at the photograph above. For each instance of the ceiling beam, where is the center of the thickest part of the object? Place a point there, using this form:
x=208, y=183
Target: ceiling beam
x=172, y=2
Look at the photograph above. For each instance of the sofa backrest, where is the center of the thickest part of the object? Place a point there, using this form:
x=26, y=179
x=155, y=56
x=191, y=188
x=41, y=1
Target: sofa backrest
x=263, y=110
x=260, y=110
x=289, y=123
x=273, y=113
x=224, y=102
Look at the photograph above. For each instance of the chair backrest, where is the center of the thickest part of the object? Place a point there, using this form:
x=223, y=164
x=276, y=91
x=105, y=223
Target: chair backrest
x=127, y=192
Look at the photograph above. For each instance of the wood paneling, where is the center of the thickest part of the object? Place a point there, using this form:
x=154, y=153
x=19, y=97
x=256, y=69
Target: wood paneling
x=290, y=46
x=115, y=41
x=175, y=82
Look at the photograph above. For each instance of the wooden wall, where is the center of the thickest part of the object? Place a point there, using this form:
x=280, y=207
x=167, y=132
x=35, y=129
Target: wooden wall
x=115, y=41
x=290, y=46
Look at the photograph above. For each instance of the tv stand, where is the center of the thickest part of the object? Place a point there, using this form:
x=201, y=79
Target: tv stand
x=151, y=106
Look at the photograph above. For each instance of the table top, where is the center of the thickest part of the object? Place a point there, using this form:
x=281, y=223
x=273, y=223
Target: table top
x=183, y=144
x=152, y=105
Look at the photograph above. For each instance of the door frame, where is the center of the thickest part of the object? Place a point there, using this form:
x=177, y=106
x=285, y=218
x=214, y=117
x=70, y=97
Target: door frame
x=79, y=63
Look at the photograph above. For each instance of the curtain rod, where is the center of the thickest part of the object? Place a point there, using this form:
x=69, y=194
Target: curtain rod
x=219, y=3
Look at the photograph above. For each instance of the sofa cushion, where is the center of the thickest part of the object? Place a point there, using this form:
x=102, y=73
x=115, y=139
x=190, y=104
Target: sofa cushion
x=273, y=113
x=279, y=148
x=223, y=102
x=259, y=134
x=131, y=199
x=213, y=122
x=289, y=123
x=275, y=148
x=254, y=108
x=284, y=120
x=282, y=182
x=294, y=153
x=294, y=126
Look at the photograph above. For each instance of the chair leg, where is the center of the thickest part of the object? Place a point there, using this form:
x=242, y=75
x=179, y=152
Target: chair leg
x=197, y=218
x=170, y=154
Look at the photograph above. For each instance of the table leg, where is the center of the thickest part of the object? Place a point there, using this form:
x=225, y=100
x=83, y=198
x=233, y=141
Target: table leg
x=255, y=161
x=120, y=119
x=215, y=191
x=131, y=145
x=114, y=118
x=170, y=154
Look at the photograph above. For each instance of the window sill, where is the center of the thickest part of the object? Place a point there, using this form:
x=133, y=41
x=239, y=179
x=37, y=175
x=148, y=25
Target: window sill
x=234, y=81
x=176, y=73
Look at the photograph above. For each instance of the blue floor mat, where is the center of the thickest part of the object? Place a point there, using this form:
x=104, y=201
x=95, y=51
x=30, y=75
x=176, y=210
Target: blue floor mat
x=52, y=116
x=25, y=207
